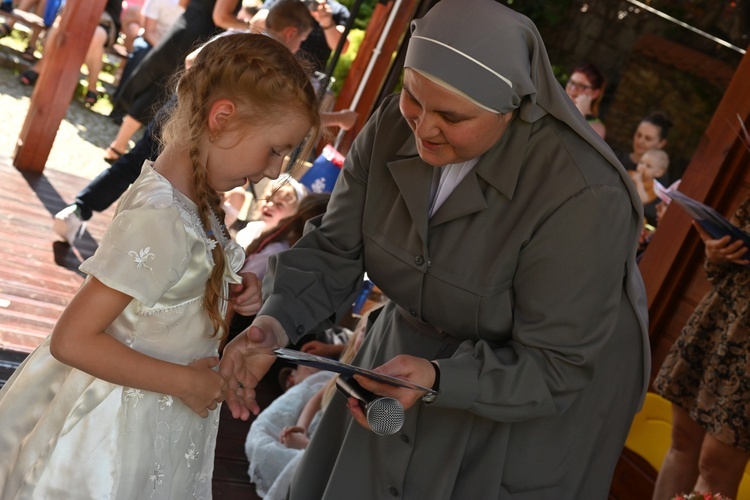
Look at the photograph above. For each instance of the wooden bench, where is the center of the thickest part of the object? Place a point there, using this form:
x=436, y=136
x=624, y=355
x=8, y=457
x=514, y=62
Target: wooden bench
x=32, y=22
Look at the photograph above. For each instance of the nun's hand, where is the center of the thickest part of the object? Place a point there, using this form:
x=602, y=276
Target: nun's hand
x=246, y=359
x=416, y=370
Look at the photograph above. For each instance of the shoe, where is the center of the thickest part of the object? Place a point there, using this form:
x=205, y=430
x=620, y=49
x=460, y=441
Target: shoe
x=90, y=98
x=29, y=77
x=68, y=223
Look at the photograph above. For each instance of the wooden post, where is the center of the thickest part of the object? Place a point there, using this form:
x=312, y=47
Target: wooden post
x=717, y=175
x=57, y=83
x=381, y=66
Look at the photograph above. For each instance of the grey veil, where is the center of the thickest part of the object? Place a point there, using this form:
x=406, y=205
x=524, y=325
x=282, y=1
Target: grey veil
x=496, y=56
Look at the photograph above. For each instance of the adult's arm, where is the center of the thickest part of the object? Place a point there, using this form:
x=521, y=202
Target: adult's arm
x=225, y=15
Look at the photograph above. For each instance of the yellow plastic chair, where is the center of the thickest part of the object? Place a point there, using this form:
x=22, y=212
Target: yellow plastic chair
x=651, y=434
x=651, y=431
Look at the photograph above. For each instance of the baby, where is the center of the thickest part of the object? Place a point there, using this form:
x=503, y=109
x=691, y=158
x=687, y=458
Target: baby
x=652, y=165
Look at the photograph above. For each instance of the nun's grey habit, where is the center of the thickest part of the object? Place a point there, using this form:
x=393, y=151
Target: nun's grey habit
x=523, y=284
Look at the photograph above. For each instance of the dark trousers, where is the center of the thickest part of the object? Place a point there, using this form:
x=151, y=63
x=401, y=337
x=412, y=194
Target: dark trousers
x=109, y=185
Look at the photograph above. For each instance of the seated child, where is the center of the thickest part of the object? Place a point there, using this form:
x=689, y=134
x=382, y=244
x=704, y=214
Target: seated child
x=279, y=200
x=280, y=434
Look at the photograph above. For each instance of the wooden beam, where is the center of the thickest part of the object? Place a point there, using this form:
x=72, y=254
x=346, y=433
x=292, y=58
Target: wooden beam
x=381, y=63
x=57, y=83
x=717, y=176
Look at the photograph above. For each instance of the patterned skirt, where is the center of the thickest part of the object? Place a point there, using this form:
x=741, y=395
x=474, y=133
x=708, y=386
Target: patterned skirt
x=707, y=370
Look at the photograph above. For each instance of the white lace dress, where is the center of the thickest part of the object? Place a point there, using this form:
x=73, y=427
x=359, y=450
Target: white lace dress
x=66, y=434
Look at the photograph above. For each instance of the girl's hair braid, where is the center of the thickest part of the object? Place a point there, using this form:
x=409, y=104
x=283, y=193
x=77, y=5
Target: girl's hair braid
x=264, y=80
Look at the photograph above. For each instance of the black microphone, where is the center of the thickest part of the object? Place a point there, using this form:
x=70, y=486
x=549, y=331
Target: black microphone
x=384, y=415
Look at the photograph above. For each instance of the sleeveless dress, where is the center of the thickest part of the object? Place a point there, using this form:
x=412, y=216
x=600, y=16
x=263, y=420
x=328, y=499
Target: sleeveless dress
x=67, y=434
x=707, y=369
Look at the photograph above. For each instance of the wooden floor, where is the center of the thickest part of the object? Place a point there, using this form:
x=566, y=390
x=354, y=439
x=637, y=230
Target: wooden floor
x=38, y=276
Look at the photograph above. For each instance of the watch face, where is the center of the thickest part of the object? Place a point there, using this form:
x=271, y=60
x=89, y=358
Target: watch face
x=429, y=397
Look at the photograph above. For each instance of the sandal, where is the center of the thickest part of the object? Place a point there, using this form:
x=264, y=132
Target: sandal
x=112, y=155
x=28, y=55
x=91, y=98
x=29, y=77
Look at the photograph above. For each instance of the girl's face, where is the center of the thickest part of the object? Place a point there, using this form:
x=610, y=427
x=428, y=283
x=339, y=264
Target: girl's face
x=448, y=128
x=277, y=205
x=252, y=153
x=579, y=84
x=647, y=136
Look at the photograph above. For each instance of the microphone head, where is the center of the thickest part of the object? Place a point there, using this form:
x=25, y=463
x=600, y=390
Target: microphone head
x=385, y=416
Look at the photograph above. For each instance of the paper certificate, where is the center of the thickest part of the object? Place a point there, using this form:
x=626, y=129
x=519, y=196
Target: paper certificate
x=709, y=219
x=331, y=365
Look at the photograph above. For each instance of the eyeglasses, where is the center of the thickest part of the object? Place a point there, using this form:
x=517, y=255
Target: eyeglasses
x=578, y=86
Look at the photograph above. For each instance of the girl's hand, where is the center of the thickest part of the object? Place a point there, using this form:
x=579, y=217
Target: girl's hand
x=723, y=250
x=246, y=359
x=294, y=437
x=416, y=370
x=205, y=386
x=246, y=298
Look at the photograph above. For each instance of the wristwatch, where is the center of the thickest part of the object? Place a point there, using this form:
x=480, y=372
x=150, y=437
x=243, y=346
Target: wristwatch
x=432, y=396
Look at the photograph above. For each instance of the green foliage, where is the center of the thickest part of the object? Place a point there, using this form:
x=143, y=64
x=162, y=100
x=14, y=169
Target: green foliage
x=364, y=14
x=345, y=60
x=542, y=12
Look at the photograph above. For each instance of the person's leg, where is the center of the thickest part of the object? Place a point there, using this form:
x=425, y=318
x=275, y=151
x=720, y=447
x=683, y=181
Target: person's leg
x=118, y=147
x=721, y=467
x=679, y=471
x=94, y=55
x=130, y=19
x=109, y=185
x=30, y=76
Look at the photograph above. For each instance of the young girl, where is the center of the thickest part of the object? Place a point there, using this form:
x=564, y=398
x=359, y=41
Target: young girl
x=279, y=200
x=122, y=400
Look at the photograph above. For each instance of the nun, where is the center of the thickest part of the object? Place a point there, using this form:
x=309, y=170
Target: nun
x=503, y=230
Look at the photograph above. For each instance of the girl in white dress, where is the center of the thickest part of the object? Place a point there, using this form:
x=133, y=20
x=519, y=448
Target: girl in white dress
x=122, y=401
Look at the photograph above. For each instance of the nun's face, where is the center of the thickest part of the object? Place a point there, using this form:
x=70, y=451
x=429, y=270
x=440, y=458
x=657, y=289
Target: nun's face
x=448, y=128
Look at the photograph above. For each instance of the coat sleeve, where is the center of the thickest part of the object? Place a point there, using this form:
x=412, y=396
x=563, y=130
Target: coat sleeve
x=313, y=284
x=568, y=291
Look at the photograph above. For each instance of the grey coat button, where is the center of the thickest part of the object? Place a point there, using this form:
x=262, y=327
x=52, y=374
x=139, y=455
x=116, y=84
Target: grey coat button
x=419, y=260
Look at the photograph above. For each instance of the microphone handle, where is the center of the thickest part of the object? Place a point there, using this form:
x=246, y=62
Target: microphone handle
x=384, y=415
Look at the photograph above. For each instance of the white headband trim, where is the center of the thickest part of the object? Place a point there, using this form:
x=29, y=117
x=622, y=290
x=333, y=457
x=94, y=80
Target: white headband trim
x=508, y=82
x=453, y=89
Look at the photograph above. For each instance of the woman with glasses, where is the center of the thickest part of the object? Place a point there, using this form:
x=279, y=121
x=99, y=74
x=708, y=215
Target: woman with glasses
x=586, y=88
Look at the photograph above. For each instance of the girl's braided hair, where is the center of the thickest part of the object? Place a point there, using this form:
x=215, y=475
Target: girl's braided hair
x=262, y=78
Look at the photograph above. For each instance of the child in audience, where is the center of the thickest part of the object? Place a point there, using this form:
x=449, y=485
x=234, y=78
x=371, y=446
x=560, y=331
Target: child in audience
x=122, y=400
x=279, y=200
x=652, y=165
x=282, y=431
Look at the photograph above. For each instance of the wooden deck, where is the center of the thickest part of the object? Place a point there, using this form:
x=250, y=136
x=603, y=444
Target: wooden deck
x=39, y=275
